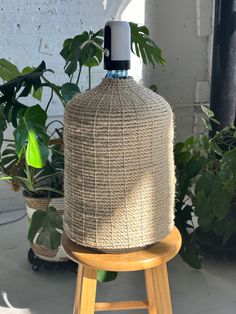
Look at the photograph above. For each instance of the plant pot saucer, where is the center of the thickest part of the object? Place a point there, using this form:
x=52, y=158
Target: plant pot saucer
x=209, y=246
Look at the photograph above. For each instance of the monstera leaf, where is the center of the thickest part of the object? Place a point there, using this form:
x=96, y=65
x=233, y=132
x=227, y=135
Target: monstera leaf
x=68, y=90
x=82, y=50
x=30, y=136
x=144, y=47
x=21, y=86
x=46, y=227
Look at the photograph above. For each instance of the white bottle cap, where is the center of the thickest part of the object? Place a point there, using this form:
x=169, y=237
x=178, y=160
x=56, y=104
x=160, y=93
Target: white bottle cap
x=117, y=41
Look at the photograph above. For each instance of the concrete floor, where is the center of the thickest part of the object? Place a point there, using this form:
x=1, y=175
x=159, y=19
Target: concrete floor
x=211, y=290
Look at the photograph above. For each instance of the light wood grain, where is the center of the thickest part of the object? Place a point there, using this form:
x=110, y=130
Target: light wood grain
x=150, y=291
x=88, y=292
x=119, y=306
x=78, y=289
x=162, y=290
x=145, y=258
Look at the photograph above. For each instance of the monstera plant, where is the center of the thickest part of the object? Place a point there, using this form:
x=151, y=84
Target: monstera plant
x=32, y=159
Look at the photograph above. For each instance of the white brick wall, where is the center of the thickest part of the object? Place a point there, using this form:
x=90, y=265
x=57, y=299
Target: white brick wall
x=183, y=29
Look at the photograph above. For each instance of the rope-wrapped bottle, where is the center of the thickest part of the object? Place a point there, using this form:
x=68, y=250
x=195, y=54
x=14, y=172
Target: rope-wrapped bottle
x=119, y=165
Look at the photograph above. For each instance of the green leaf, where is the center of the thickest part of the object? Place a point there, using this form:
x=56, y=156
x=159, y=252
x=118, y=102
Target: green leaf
x=68, y=90
x=204, y=183
x=23, y=84
x=8, y=70
x=5, y=178
x=31, y=134
x=27, y=70
x=153, y=87
x=205, y=222
x=37, y=151
x=226, y=174
x=208, y=112
x=82, y=50
x=207, y=124
x=181, y=158
x=202, y=205
x=37, y=94
x=216, y=148
x=220, y=198
x=106, y=276
x=194, y=166
x=229, y=158
x=49, y=225
x=45, y=188
x=219, y=227
x=142, y=45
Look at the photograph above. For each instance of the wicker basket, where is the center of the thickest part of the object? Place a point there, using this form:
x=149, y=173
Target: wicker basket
x=119, y=167
x=34, y=204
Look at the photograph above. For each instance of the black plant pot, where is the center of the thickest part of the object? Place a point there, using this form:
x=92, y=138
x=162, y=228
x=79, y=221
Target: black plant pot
x=210, y=245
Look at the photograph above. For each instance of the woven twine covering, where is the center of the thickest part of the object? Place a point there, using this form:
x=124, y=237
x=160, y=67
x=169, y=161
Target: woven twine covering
x=37, y=203
x=119, y=167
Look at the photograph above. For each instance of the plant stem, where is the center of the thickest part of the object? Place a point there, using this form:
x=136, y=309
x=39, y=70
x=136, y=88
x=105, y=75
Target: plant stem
x=78, y=77
x=49, y=84
x=71, y=77
x=50, y=99
x=89, y=71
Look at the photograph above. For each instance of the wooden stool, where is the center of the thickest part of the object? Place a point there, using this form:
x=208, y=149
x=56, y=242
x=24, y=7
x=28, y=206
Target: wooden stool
x=152, y=260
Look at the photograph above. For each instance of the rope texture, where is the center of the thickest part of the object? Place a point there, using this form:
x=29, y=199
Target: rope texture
x=119, y=167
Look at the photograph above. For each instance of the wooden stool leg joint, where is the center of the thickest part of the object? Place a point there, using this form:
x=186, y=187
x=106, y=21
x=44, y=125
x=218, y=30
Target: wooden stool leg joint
x=158, y=291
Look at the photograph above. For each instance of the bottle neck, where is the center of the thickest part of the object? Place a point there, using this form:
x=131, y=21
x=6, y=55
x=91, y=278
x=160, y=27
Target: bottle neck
x=122, y=74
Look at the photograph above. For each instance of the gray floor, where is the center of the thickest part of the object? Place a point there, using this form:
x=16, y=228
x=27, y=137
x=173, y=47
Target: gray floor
x=210, y=291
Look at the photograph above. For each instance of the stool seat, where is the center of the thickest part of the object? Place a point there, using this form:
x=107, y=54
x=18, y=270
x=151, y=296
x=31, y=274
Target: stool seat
x=152, y=260
x=146, y=258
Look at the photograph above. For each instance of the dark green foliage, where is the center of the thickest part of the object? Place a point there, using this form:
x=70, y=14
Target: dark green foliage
x=48, y=225
x=68, y=90
x=206, y=189
x=82, y=51
x=106, y=276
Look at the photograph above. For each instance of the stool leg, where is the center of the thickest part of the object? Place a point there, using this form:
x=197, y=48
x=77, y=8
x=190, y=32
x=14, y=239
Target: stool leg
x=150, y=291
x=78, y=288
x=88, y=291
x=162, y=290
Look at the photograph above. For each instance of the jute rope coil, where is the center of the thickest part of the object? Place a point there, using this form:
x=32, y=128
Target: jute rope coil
x=119, y=167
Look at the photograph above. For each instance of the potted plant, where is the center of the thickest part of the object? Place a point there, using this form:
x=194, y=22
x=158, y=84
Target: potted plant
x=206, y=193
x=33, y=161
